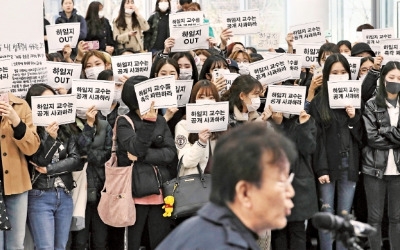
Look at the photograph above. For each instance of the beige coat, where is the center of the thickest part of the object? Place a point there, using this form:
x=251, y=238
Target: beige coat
x=131, y=42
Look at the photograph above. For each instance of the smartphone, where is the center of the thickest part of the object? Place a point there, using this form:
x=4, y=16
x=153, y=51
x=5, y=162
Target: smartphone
x=93, y=45
x=318, y=71
x=4, y=98
x=216, y=74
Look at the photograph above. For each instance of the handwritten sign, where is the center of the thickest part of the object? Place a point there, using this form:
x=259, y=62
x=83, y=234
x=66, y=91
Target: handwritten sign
x=93, y=92
x=59, y=35
x=242, y=22
x=229, y=78
x=48, y=109
x=374, y=36
x=309, y=52
x=212, y=116
x=267, y=40
x=390, y=50
x=344, y=93
x=161, y=90
x=190, y=38
x=308, y=33
x=132, y=65
x=271, y=71
x=183, y=90
x=6, y=71
x=286, y=99
x=186, y=19
x=295, y=64
x=61, y=74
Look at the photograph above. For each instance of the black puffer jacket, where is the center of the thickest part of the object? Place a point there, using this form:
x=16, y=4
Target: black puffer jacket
x=69, y=161
x=381, y=137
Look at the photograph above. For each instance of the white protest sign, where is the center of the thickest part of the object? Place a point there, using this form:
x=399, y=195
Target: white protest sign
x=309, y=52
x=354, y=63
x=183, y=90
x=48, y=109
x=186, y=19
x=190, y=38
x=308, y=33
x=6, y=70
x=344, y=93
x=267, y=40
x=61, y=74
x=390, y=50
x=59, y=35
x=161, y=90
x=270, y=71
x=376, y=49
x=211, y=116
x=286, y=99
x=295, y=64
x=374, y=36
x=26, y=47
x=229, y=78
x=132, y=65
x=93, y=92
x=242, y=22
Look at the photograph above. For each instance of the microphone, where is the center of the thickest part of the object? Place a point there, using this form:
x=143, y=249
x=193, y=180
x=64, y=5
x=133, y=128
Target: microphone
x=328, y=221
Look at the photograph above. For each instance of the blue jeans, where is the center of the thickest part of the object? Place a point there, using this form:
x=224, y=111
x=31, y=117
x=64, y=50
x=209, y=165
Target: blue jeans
x=49, y=216
x=17, y=205
x=344, y=190
x=376, y=189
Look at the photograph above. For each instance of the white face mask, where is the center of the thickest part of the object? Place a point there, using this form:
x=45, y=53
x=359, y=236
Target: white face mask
x=185, y=74
x=362, y=77
x=129, y=11
x=163, y=6
x=244, y=68
x=286, y=115
x=93, y=72
x=205, y=101
x=117, y=96
x=122, y=109
x=255, y=104
x=338, y=78
x=101, y=13
x=81, y=113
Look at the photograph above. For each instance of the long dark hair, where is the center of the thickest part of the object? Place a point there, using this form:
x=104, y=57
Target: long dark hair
x=179, y=55
x=120, y=21
x=381, y=95
x=327, y=47
x=157, y=67
x=94, y=22
x=211, y=63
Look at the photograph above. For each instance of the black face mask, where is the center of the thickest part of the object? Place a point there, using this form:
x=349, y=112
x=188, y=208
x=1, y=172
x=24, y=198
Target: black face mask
x=393, y=87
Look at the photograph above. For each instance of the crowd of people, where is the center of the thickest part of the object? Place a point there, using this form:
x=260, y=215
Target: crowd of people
x=347, y=159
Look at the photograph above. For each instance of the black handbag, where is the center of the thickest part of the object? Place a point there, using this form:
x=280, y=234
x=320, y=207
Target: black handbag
x=191, y=192
x=4, y=222
x=146, y=180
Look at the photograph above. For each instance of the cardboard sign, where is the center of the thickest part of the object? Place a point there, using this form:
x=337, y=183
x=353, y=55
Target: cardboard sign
x=190, y=38
x=242, y=22
x=344, y=93
x=295, y=64
x=354, y=63
x=186, y=19
x=161, y=90
x=212, y=116
x=309, y=52
x=93, y=92
x=6, y=71
x=61, y=74
x=132, y=65
x=271, y=71
x=308, y=33
x=48, y=109
x=266, y=40
x=286, y=99
x=183, y=90
x=59, y=35
x=374, y=36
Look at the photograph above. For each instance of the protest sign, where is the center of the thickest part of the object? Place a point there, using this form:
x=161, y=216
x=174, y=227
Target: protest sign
x=6, y=71
x=48, y=109
x=295, y=64
x=286, y=99
x=374, y=36
x=309, y=52
x=61, y=74
x=354, y=63
x=59, y=35
x=183, y=90
x=344, y=93
x=376, y=49
x=270, y=71
x=161, y=90
x=93, y=92
x=211, y=116
x=242, y=22
x=229, y=78
x=390, y=50
x=190, y=38
x=186, y=19
x=267, y=40
x=308, y=33
x=26, y=48
x=132, y=65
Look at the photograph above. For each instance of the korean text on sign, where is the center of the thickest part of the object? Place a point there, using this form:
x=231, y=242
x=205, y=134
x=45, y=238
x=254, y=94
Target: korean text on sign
x=62, y=34
x=93, y=92
x=186, y=19
x=212, y=116
x=61, y=74
x=271, y=71
x=242, y=22
x=286, y=99
x=190, y=38
x=308, y=33
x=344, y=93
x=47, y=109
x=132, y=65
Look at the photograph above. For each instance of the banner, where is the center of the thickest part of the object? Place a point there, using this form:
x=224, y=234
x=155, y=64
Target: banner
x=242, y=22
x=93, y=92
x=212, y=116
x=48, y=109
x=374, y=36
x=59, y=35
x=61, y=74
x=344, y=93
x=286, y=99
x=308, y=33
x=271, y=71
x=186, y=19
x=190, y=38
x=309, y=52
x=132, y=65
x=183, y=90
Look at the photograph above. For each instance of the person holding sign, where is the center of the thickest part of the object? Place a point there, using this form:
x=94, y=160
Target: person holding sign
x=213, y=70
x=69, y=15
x=128, y=27
x=371, y=74
x=50, y=204
x=150, y=142
x=380, y=164
x=339, y=138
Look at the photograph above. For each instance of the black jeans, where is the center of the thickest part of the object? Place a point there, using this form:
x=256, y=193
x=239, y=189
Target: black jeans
x=292, y=237
x=94, y=227
x=376, y=189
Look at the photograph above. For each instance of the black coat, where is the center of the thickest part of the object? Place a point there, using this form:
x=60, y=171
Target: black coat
x=104, y=35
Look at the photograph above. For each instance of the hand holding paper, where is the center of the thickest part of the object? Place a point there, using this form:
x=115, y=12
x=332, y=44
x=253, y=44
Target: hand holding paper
x=351, y=111
x=204, y=135
x=91, y=115
x=52, y=130
x=150, y=115
x=304, y=117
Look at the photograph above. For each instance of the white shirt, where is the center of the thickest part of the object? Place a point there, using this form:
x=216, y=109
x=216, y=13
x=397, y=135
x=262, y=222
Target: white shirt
x=391, y=168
